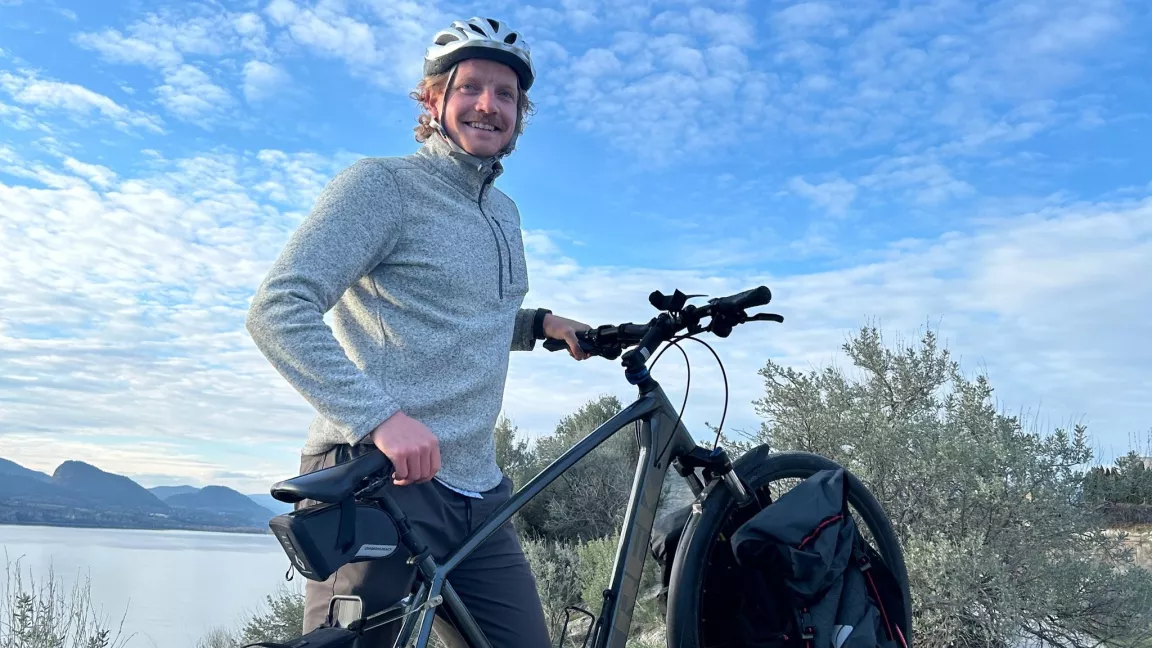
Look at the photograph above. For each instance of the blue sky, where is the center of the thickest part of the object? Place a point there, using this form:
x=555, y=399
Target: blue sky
x=979, y=168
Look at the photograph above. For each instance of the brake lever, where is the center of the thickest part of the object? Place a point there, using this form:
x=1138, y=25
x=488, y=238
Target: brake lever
x=765, y=317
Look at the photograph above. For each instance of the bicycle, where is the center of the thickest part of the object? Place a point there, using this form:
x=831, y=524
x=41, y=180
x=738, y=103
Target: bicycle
x=664, y=443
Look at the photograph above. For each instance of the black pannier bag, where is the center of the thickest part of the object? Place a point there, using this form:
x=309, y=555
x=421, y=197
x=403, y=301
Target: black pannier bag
x=798, y=574
x=666, y=532
x=809, y=577
x=322, y=538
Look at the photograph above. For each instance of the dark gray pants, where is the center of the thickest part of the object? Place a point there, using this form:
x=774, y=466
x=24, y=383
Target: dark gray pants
x=495, y=582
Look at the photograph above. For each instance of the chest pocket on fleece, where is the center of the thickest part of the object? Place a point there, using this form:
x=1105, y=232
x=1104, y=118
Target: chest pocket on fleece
x=515, y=268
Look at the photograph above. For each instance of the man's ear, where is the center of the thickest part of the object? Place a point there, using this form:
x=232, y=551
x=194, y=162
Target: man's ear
x=432, y=102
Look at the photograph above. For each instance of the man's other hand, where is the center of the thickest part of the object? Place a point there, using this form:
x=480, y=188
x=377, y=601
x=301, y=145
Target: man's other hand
x=411, y=446
x=561, y=328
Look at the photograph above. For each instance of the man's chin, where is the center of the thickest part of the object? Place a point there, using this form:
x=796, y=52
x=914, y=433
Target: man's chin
x=482, y=149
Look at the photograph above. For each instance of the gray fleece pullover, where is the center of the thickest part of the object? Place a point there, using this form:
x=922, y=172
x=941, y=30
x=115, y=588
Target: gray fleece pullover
x=421, y=262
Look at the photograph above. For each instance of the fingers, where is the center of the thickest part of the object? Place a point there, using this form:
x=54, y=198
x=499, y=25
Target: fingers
x=425, y=466
x=413, y=449
x=422, y=462
x=574, y=348
x=399, y=468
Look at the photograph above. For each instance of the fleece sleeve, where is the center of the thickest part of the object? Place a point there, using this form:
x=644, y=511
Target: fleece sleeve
x=522, y=335
x=351, y=229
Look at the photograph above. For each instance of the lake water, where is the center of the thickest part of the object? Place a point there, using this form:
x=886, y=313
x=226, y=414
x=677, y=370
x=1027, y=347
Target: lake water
x=174, y=586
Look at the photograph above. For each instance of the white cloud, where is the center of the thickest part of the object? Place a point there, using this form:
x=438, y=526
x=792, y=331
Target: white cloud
x=118, y=48
x=75, y=100
x=922, y=179
x=95, y=174
x=824, y=78
x=165, y=43
x=806, y=15
x=253, y=33
x=326, y=31
x=835, y=195
x=20, y=119
x=385, y=47
x=190, y=94
x=262, y=80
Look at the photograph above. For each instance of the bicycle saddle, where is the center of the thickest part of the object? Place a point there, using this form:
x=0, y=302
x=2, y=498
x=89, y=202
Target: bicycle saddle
x=332, y=484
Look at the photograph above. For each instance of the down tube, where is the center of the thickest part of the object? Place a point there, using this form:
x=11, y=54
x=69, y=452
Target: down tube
x=657, y=433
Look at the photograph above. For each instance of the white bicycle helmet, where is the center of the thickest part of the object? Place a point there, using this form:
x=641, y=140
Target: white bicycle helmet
x=480, y=38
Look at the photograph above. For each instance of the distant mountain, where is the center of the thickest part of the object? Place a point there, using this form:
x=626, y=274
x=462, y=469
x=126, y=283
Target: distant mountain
x=106, y=488
x=164, y=492
x=13, y=469
x=22, y=487
x=270, y=503
x=221, y=499
x=80, y=494
x=265, y=500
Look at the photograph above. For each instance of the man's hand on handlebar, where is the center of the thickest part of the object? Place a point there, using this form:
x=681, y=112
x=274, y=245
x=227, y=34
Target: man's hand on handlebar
x=722, y=314
x=561, y=328
x=411, y=447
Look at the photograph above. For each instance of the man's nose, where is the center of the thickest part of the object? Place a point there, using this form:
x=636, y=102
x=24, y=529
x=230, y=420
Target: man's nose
x=486, y=100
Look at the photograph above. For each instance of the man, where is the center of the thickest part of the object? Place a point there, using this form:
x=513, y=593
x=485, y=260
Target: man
x=421, y=262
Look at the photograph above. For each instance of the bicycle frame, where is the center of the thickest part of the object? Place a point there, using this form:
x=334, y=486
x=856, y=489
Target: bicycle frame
x=662, y=439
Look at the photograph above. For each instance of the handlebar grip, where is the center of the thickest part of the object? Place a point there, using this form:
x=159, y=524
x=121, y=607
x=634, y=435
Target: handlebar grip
x=552, y=344
x=747, y=299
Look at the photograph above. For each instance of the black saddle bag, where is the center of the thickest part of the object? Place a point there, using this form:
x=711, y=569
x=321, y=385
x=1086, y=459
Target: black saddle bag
x=323, y=538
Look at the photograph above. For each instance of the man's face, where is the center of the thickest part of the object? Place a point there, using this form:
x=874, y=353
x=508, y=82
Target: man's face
x=481, y=111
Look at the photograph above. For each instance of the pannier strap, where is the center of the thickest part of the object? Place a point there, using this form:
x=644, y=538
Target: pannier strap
x=865, y=565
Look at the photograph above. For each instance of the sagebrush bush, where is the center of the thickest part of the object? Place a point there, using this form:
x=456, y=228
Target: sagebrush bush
x=46, y=614
x=1000, y=542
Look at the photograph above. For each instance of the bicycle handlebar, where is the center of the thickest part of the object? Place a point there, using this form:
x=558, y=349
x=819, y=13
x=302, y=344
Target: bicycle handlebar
x=724, y=313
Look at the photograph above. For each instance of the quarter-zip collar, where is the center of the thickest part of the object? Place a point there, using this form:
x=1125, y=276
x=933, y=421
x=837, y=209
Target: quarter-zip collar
x=467, y=172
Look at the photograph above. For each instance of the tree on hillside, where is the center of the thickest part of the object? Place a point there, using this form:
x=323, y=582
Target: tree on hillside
x=586, y=502
x=513, y=453
x=997, y=542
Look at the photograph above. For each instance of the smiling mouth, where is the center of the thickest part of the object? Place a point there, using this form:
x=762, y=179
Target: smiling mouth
x=483, y=127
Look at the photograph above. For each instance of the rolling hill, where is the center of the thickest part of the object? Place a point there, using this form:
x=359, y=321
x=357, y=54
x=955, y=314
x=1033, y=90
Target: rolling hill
x=221, y=499
x=108, y=489
x=164, y=492
x=80, y=494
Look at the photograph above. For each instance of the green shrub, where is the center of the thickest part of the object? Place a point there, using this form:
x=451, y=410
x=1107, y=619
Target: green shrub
x=45, y=614
x=999, y=544
x=556, y=566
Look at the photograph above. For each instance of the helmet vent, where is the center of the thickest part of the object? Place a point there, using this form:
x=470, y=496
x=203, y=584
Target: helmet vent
x=495, y=25
x=510, y=39
x=477, y=29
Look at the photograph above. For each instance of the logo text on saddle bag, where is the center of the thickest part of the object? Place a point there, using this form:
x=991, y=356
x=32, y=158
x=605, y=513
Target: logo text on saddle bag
x=375, y=550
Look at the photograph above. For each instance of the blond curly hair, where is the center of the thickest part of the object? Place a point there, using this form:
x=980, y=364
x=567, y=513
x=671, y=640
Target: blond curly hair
x=433, y=85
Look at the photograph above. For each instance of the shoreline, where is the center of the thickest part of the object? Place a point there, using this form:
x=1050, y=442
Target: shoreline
x=90, y=525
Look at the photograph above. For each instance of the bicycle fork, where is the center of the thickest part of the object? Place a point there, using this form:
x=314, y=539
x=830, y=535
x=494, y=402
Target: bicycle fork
x=715, y=464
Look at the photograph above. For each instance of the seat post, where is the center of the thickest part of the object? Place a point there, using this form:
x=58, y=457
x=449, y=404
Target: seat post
x=409, y=536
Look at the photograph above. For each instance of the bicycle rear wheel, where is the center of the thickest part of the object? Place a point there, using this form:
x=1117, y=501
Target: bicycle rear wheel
x=701, y=608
